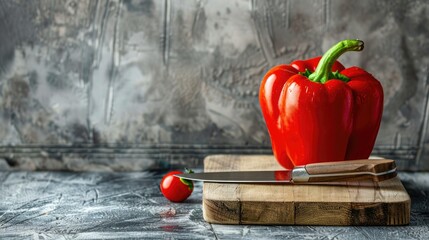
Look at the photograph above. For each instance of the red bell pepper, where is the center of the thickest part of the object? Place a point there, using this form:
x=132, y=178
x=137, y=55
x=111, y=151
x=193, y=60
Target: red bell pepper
x=318, y=111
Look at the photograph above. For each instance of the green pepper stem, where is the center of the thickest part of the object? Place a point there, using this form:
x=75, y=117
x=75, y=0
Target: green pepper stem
x=323, y=71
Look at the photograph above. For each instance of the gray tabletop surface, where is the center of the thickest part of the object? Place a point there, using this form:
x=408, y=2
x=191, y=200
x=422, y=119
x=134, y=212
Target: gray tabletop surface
x=129, y=205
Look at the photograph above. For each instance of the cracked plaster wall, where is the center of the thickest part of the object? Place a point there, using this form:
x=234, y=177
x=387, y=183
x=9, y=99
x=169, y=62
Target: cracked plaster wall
x=131, y=85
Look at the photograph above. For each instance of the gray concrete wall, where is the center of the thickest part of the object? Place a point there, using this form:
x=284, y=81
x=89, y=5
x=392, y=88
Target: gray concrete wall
x=130, y=85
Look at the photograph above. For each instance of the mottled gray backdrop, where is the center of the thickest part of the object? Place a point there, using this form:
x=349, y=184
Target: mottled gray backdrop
x=131, y=85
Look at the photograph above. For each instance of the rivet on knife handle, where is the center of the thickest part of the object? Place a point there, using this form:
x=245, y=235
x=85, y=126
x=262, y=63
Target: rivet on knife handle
x=352, y=170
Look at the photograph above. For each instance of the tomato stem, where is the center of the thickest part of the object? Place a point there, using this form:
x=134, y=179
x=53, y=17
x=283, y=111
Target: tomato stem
x=187, y=182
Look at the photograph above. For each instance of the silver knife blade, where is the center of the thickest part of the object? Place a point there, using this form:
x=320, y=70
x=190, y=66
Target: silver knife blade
x=281, y=176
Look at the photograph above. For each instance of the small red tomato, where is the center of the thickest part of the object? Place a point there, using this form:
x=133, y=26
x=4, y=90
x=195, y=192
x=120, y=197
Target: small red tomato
x=176, y=189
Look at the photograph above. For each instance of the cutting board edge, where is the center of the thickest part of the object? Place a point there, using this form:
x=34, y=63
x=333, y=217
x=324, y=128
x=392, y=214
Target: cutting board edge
x=384, y=219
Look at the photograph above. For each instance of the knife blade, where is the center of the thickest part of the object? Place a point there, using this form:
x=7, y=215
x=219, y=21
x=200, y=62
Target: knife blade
x=350, y=170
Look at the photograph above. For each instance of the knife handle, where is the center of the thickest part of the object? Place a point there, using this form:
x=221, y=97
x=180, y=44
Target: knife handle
x=349, y=170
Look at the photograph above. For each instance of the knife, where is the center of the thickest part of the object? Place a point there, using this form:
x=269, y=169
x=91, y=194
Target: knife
x=350, y=170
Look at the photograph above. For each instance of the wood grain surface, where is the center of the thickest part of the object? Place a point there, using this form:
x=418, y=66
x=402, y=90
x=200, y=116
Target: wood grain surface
x=355, y=166
x=341, y=203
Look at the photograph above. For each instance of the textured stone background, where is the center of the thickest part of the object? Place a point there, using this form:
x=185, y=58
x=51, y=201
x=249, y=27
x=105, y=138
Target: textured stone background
x=131, y=85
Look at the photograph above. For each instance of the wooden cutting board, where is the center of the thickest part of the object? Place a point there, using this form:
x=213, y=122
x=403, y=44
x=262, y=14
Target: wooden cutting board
x=350, y=203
